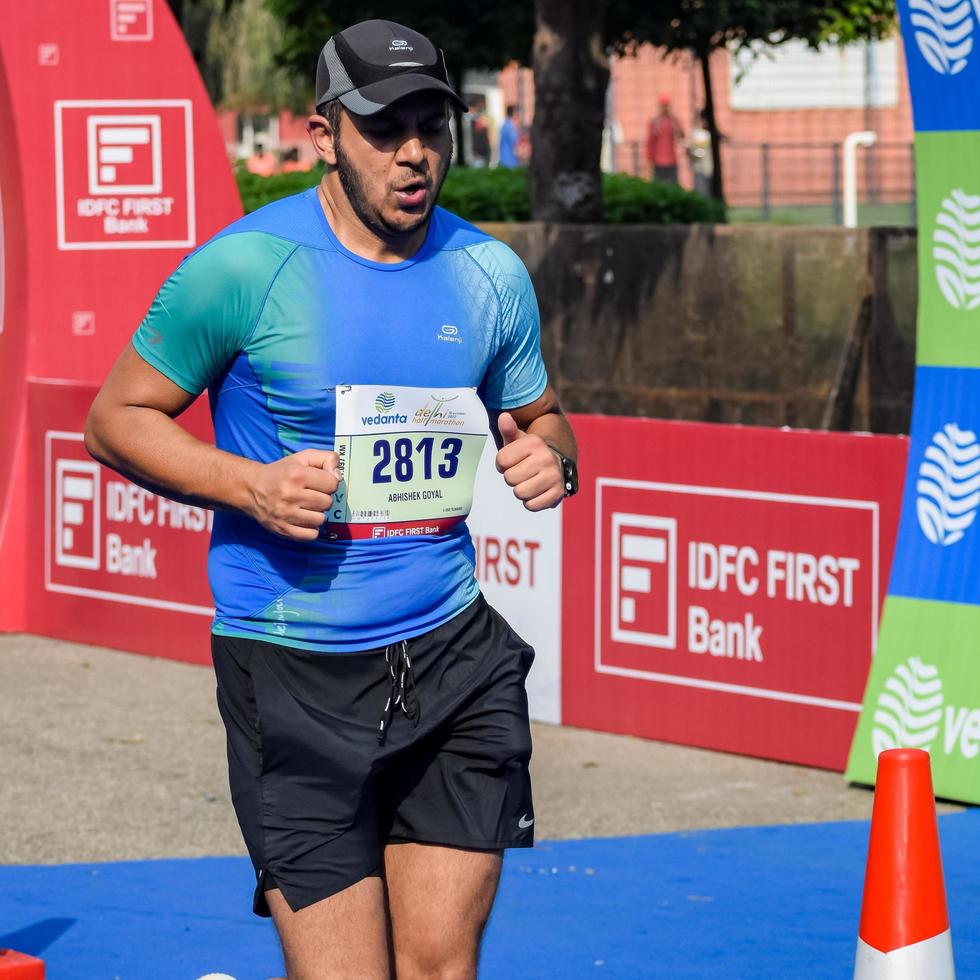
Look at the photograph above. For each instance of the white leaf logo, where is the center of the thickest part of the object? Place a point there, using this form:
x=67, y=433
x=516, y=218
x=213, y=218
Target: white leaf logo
x=909, y=708
x=956, y=249
x=949, y=485
x=944, y=32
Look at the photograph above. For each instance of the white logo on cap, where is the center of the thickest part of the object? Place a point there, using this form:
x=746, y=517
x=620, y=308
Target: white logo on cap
x=399, y=44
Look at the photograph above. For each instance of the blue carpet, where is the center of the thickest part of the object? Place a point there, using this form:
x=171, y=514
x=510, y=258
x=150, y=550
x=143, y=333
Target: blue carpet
x=749, y=903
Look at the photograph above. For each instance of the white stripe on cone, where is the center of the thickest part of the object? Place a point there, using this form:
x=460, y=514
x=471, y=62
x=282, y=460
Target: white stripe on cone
x=932, y=959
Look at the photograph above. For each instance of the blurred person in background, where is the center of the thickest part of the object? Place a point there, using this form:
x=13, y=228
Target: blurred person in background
x=261, y=163
x=291, y=162
x=479, y=122
x=663, y=135
x=699, y=153
x=510, y=135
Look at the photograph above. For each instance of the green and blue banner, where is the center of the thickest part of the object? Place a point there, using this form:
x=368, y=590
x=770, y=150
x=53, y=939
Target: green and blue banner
x=924, y=686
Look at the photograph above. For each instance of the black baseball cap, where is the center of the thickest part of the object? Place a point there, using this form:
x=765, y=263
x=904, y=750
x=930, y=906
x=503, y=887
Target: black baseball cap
x=374, y=63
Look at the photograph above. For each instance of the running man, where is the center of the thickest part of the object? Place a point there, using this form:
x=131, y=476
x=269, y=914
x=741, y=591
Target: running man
x=357, y=343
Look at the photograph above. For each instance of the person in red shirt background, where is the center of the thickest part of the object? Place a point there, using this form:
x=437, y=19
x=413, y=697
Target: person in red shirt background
x=664, y=134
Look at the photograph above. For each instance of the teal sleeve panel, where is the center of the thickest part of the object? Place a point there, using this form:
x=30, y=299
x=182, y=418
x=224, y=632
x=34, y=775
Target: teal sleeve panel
x=205, y=312
x=516, y=375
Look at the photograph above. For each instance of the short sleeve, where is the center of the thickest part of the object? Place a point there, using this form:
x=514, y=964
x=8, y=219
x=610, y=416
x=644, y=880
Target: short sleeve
x=204, y=313
x=516, y=375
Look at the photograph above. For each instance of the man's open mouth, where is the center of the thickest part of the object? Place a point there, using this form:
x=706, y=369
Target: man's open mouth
x=412, y=194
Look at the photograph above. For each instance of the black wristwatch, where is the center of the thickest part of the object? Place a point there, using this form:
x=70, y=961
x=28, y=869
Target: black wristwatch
x=569, y=473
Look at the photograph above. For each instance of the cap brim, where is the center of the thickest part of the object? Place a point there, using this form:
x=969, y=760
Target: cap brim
x=369, y=99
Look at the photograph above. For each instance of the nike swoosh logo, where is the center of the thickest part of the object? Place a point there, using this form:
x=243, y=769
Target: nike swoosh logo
x=524, y=823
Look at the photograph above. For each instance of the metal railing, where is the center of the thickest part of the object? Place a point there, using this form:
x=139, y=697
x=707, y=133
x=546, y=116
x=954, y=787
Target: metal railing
x=803, y=182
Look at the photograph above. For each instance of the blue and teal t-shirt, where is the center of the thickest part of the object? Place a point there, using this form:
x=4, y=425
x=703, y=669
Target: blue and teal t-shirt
x=271, y=315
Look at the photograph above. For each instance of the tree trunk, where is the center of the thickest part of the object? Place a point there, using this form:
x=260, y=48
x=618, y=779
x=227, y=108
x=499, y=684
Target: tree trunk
x=456, y=82
x=717, y=183
x=571, y=73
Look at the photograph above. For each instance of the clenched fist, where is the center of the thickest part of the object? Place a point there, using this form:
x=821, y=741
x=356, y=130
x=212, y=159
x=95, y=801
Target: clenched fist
x=529, y=465
x=291, y=496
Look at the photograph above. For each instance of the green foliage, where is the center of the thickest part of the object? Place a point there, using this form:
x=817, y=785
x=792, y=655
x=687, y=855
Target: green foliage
x=475, y=34
x=500, y=194
x=472, y=33
x=703, y=25
x=235, y=44
x=256, y=191
x=487, y=194
x=244, y=43
x=631, y=200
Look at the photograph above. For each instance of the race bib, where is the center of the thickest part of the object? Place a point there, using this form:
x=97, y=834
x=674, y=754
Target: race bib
x=409, y=458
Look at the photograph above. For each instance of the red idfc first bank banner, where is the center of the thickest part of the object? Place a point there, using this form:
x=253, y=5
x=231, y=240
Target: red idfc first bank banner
x=722, y=585
x=113, y=564
x=112, y=169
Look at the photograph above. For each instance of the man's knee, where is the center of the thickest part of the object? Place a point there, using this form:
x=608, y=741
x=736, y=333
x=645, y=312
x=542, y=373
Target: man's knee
x=425, y=961
x=435, y=954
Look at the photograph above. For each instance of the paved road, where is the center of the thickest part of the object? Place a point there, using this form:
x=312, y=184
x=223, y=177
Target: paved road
x=112, y=756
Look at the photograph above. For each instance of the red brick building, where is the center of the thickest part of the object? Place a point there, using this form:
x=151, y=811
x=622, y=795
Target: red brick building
x=783, y=115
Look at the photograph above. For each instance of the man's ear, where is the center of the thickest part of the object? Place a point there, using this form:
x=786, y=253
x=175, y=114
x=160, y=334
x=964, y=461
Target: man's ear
x=322, y=138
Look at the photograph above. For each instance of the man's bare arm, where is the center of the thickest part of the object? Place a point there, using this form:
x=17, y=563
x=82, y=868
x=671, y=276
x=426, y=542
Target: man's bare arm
x=544, y=418
x=131, y=428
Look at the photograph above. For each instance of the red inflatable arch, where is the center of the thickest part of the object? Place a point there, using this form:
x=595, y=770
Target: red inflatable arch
x=112, y=168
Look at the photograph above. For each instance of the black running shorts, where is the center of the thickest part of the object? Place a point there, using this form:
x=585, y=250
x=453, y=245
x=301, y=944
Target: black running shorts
x=331, y=756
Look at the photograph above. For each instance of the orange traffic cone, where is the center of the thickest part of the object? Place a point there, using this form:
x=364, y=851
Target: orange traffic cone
x=904, y=932
x=20, y=966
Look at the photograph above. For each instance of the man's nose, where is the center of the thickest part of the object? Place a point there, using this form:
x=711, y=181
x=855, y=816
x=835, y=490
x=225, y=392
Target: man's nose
x=411, y=151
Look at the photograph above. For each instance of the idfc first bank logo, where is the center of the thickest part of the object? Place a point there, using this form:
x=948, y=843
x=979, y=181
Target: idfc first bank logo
x=726, y=588
x=107, y=538
x=124, y=172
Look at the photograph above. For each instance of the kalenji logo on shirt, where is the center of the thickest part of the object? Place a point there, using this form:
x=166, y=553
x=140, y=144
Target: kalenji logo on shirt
x=124, y=174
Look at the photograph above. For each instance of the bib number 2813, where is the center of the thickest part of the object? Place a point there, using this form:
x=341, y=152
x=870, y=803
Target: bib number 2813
x=400, y=458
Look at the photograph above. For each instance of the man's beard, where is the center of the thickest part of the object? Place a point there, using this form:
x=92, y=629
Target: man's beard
x=371, y=217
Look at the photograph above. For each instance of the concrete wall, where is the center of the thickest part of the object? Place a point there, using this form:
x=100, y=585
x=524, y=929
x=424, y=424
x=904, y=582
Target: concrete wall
x=806, y=327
